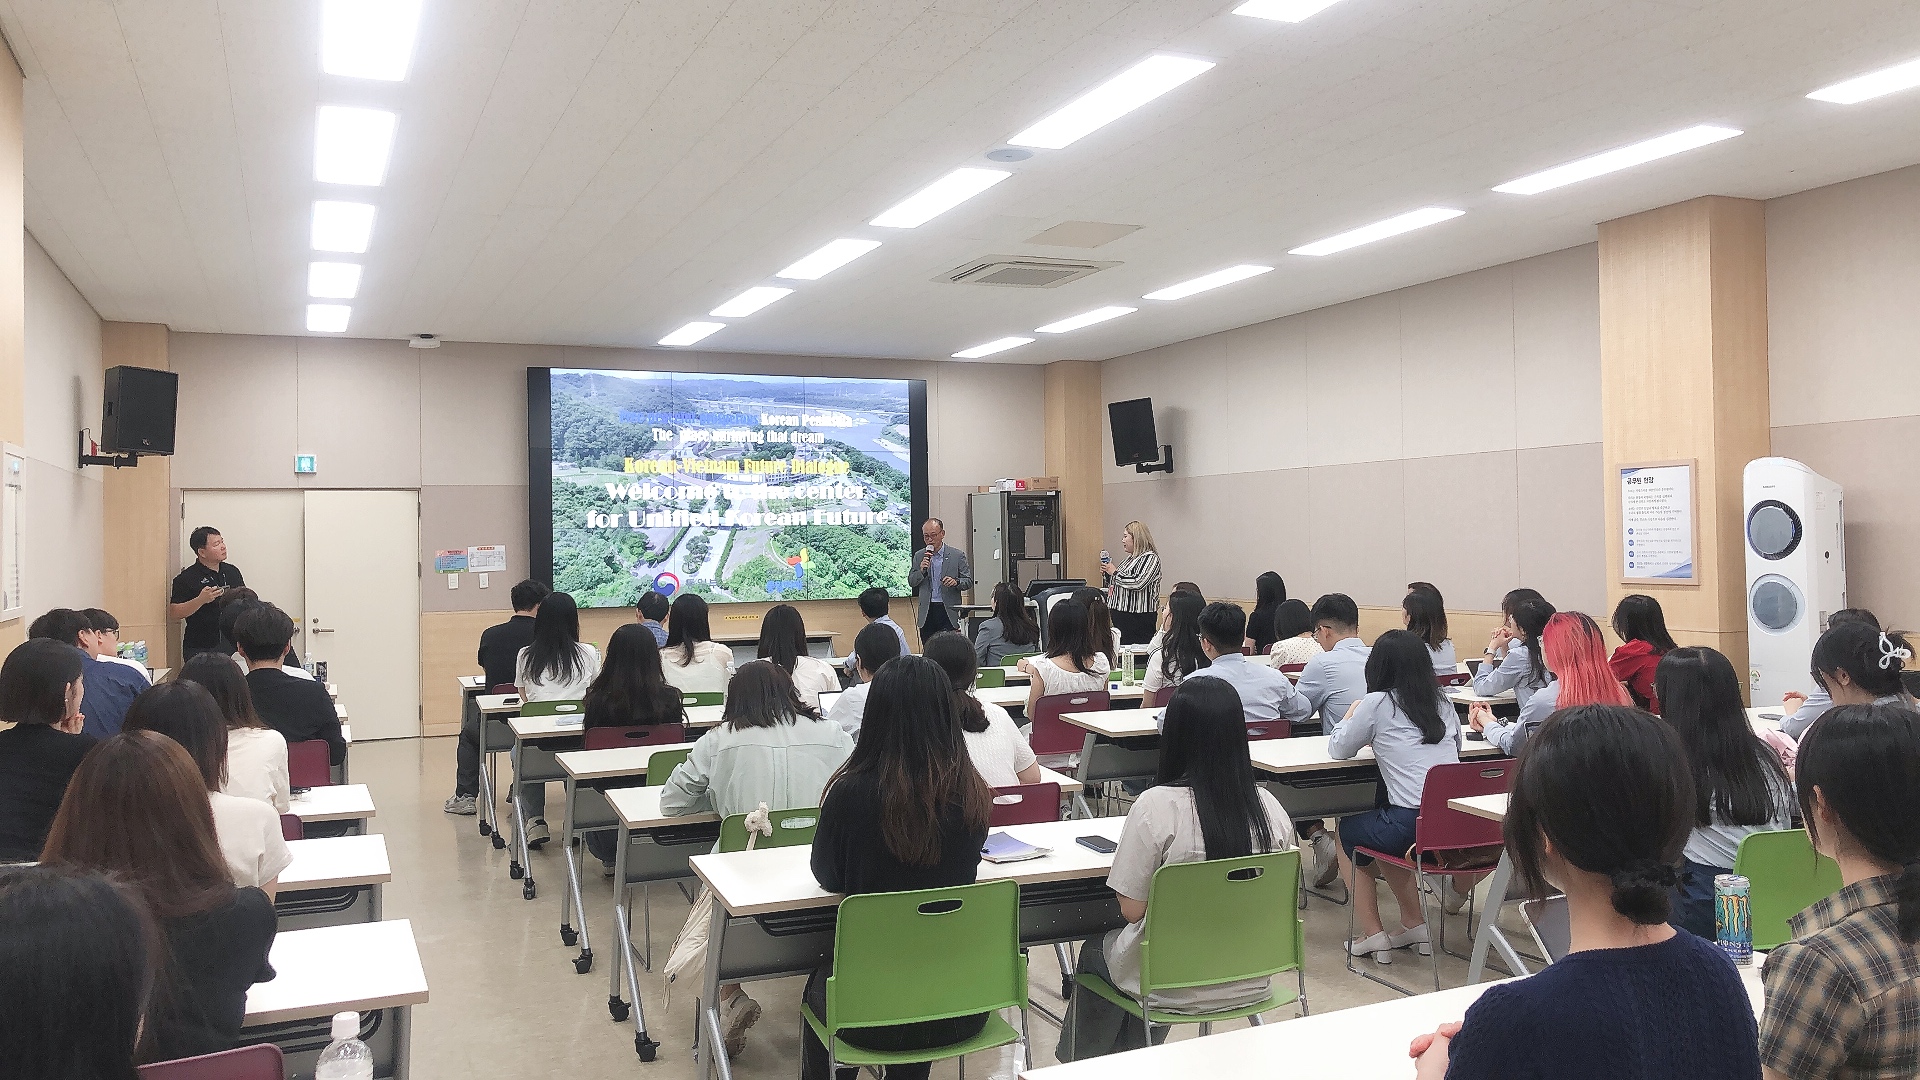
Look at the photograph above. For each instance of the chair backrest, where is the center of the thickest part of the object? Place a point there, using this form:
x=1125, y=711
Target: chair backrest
x=608, y=738
x=990, y=677
x=1442, y=828
x=926, y=955
x=1024, y=804
x=1052, y=735
x=1270, y=729
x=555, y=707
x=504, y=688
x=1453, y=678
x=1012, y=659
x=262, y=1061
x=1292, y=669
x=1551, y=926
x=309, y=763
x=663, y=762
x=1787, y=877
x=1157, y=699
x=791, y=828
x=292, y=828
x=695, y=698
x=1222, y=920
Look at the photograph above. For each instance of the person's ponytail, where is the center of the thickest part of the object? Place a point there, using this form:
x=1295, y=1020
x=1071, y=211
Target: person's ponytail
x=1643, y=891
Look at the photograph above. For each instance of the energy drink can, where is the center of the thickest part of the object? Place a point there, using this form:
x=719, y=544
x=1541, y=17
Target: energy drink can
x=1733, y=917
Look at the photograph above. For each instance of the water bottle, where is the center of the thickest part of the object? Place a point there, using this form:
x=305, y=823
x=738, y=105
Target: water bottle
x=346, y=1057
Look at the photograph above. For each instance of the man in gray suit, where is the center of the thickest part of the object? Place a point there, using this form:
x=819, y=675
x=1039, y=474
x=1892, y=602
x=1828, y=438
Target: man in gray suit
x=940, y=572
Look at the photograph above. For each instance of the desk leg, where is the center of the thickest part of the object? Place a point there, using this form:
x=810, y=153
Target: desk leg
x=403, y=1042
x=522, y=859
x=1489, y=933
x=642, y=1045
x=1080, y=807
x=616, y=1007
x=708, y=1007
x=573, y=904
x=375, y=909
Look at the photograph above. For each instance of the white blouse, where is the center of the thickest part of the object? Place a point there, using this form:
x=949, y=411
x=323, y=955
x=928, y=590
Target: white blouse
x=812, y=677
x=257, y=766
x=711, y=670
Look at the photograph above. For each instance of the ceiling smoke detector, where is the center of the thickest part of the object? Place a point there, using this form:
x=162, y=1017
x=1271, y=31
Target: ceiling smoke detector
x=1022, y=272
x=424, y=341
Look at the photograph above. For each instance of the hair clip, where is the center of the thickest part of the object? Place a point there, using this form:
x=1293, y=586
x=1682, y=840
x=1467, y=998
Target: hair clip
x=1889, y=652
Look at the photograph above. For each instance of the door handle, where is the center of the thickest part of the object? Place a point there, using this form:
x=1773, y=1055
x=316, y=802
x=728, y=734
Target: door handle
x=323, y=629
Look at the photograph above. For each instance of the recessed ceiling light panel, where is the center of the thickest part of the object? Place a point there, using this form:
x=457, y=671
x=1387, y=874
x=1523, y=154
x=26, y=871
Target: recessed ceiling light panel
x=749, y=302
x=690, y=333
x=1379, y=230
x=1085, y=318
x=997, y=345
x=829, y=257
x=1871, y=85
x=328, y=318
x=938, y=197
x=342, y=226
x=368, y=39
x=1111, y=100
x=333, y=280
x=351, y=146
x=1284, y=10
x=1208, y=281
x=1625, y=157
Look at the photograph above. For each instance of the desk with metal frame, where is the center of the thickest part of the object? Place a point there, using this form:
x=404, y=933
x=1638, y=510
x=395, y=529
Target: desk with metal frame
x=333, y=881
x=370, y=968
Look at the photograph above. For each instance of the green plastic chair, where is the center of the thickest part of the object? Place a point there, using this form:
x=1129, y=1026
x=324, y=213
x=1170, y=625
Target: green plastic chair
x=1217, y=922
x=1013, y=658
x=932, y=954
x=552, y=708
x=1788, y=877
x=989, y=678
x=704, y=697
x=791, y=828
x=663, y=762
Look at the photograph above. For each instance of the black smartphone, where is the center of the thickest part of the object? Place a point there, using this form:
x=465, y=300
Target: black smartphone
x=299, y=790
x=1096, y=843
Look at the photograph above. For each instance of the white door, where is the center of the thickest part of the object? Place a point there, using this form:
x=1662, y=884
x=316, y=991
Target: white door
x=363, y=605
x=266, y=538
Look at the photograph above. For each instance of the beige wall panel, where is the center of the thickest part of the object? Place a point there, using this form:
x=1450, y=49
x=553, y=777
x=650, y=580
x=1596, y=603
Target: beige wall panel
x=137, y=510
x=1353, y=382
x=1356, y=531
x=1266, y=369
x=983, y=418
x=1462, y=526
x=1556, y=345
x=459, y=517
x=473, y=412
x=1874, y=461
x=1264, y=513
x=359, y=413
x=1562, y=526
x=1457, y=364
x=63, y=511
x=238, y=424
x=13, y=235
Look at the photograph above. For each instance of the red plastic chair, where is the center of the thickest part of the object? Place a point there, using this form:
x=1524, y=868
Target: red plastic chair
x=1270, y=729
x=1441, y=829
x=260, y=1062
x=309, y=764
x=504, y=688
x=292, y=828
x=1453, y=678
x=609, y=738
x=1157, y=699
x=1248, y=650
x=1052, y=735
x=1025, y=804
x=1292, y=669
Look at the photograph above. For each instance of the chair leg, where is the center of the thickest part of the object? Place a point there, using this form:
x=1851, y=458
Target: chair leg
x=1206, y=1029
x=1061, y=954
x=1433, y=954
x=1301, y=973
x=1254, y=1020
x=1026, y=1043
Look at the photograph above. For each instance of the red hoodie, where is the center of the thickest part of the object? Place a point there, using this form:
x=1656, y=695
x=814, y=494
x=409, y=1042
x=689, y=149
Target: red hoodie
x=1633, y=664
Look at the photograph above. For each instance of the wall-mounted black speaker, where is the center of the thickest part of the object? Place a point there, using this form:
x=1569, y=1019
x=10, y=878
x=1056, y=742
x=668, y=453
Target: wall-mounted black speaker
x=136, y=416
x=1134, y=439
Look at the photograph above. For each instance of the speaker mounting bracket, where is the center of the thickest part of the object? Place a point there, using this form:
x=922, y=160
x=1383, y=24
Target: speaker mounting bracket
x=90, y=455
x=1165, y=464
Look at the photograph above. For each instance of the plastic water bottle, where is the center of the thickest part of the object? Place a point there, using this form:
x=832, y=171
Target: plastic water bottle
x=346, y=1057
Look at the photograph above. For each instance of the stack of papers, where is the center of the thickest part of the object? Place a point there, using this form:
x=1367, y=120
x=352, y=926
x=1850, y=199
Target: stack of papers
x=1003, y=848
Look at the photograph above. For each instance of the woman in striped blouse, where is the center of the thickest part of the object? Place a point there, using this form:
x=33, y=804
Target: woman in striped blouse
x=1134, y=585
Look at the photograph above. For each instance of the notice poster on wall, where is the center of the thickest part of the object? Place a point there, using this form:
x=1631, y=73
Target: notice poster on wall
x=1657, y=523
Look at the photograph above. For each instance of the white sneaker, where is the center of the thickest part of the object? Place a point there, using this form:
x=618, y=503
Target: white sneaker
x=1380, y=946
x=1451, y=898
x=1326, y=858
x=538, y=833
x=737, y=1014
x=460, y=804
x=1412, y=935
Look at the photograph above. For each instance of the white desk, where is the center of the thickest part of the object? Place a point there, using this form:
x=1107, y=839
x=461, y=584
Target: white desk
x=472, y=682
x=335, y=802
x=313, y=886
x=1310, y=753
x=1464, y=695
x=363, y=968
x=1490, y=807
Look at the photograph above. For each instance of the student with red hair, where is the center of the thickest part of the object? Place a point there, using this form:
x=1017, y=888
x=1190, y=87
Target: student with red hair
x=1576, y=658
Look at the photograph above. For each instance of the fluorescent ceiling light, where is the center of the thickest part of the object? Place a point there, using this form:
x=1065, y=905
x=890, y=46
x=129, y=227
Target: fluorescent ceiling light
x=749, y=302
x=1871, y=85
x=831, y=256
x=350, y=146
x=328, y=318
x=1284, y=10
x=333, y=280
x=1624, y=157
x=1085, y=318
x=1111, y=100
x=997, y=345
x=342, y=226
x=368, y=39
x=939, y=197
x=1208, y=281
x=691, y=333
x=1379, y=230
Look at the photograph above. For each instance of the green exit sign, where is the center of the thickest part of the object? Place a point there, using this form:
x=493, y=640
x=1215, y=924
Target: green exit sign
x=305, y=464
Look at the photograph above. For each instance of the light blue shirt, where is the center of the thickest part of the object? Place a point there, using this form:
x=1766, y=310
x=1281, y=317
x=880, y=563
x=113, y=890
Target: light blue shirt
x=936, y=571
x=659, y=632
x=1541, y=703
x=852, y=662
x=1514, y=672
x=1817, y=703
x=1336, y=679
x=1403, y=754
x=1444, y=660
x=1265, y=694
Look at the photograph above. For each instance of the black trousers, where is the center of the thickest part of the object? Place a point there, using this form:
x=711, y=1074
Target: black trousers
x=1136, y=627
x=813, y=1053
x=937, y=621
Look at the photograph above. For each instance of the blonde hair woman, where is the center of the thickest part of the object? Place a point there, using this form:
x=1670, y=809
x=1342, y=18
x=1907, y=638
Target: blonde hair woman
x=1134, y=585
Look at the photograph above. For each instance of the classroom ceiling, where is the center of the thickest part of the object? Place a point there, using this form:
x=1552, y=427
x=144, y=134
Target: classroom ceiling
x=598, y=172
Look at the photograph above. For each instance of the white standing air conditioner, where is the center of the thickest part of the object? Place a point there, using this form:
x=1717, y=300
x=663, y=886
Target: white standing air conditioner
x=1796, y=571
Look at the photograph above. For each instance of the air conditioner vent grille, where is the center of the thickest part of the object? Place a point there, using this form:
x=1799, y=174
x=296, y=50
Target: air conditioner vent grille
x=1009, y=272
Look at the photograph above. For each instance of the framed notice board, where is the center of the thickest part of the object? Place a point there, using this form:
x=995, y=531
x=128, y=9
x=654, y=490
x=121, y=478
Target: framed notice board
x=1659, y=523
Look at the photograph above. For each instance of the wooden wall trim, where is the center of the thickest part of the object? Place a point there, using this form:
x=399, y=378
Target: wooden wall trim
x=1074, y=453
x=136, y=512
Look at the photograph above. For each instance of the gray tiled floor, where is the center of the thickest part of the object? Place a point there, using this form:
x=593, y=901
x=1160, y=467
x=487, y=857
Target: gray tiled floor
x=507, y=1003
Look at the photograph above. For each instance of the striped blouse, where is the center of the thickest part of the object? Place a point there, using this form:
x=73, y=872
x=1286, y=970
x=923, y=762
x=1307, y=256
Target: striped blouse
x=1136, y=585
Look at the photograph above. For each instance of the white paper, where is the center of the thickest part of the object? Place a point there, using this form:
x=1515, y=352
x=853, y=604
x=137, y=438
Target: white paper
x=488, y=558
x=1656, y=523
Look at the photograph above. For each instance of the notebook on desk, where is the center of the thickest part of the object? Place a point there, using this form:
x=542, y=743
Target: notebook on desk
x=1004, y=848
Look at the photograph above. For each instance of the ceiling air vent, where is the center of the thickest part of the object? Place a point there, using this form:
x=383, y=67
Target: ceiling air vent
x=1011, y=272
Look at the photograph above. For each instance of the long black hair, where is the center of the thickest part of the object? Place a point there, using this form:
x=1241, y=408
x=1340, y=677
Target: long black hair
x=1401, y=667
x=761, y=694
x=1017, y=624
x=1639, y=618
x=1868, y=655
x=687, y=625
x=554, y=655
x=1291, y=619
x=1531, y=617
x=1863, y=761
x=911, y=745
x=1203, y=747
x=1269, y=592
x=1069, y=633
x=82, y=956
x=1426, y=618
x=1099, y=623
x=783, y=636
x=34, y=681
x=632, y=688
x=1736, y=777
x=184, y=712
x=1180, y=653
x=1604, y=756
x=955, y=655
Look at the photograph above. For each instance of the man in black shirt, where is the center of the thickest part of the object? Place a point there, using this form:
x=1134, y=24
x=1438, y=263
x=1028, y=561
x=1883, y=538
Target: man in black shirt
x=500, y=647
x=298, y=709
x=197, y=587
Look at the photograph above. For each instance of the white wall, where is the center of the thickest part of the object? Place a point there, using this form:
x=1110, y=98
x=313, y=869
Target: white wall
x=63, y=387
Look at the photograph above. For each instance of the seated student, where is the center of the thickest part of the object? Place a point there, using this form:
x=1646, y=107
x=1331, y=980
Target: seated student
x=40, y=692
x=1106, y=636
x=79, y=955
x=1642, y=628
x=1293, y=629
x=1073, y=662
x=138, y=809
x=557, y=666
x=873, y=604
x=696, y=663
x=631, y=691
x=299, y=709
x=773, y=748
x=1012, y=629
x=1411, y=728
x=1512, y=658
x=906, y=811
x=256, y=754
x=1336, y=677
x=248, y=830
x=1269, y=592
x=1802, y=708
x=653, y=607
x=1843, y=996
x=499, y=652
x=994, y=742
x=1160, y=627
x=1575, y=656
x=1739, y=786
x=1633, y=996
x=1265, y=694
x=783, y=640
x=1205, y=804
x=110, y=687
x=237, y=602
x=105, y=644
x=873, y=648
x=1178, y=653
x=1424, y=614
x=1855, y=663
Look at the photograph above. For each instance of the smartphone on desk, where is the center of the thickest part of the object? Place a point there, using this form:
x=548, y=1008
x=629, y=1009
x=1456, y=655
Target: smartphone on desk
x=295, y=792
x=1097, y=843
